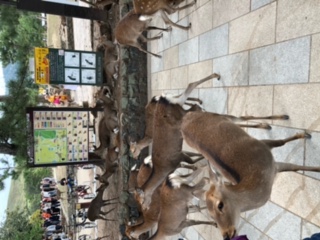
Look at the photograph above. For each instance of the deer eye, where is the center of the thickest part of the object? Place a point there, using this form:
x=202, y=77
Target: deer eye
x=220, y=206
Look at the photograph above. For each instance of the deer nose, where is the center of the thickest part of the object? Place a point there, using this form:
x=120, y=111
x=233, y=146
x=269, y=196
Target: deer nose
x=226, y=238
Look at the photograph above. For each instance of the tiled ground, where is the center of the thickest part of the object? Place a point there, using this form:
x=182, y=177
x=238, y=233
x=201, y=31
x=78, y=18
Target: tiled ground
x=268, y=55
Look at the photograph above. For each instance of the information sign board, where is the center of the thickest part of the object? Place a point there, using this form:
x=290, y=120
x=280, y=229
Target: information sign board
x=59, y=136
x=58, y=66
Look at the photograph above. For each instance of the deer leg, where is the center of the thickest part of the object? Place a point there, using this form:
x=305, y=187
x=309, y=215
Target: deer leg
x=146, y=39
x=187, y=159
x=157, y=28
x=245, y=118
x=105, y=213
x=137, y=45
x=168, y=21
x=259, y=125
x=192, y=154
x=189, y=223
x=174, y=9
x=181, y=99
x=187, y=166
x=136, y=148
x=281, y=142
x=106, y=219
x=99, y=238
x=194, y=99
x=194, y=208
x=189, y=178
x=288, y=167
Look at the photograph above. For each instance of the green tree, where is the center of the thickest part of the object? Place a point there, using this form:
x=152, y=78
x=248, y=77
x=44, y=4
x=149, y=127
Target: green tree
x=20, y=32
x=18, y=226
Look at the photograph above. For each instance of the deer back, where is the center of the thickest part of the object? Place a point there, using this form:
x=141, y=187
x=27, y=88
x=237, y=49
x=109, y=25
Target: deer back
x=129, y=28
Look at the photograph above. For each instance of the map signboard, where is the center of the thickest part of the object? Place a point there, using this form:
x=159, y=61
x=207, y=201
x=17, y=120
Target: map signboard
x=59, y=66
x=59, y=136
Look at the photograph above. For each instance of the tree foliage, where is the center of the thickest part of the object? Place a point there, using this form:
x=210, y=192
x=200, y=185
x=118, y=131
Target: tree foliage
x=19, y=226
x=19, y=33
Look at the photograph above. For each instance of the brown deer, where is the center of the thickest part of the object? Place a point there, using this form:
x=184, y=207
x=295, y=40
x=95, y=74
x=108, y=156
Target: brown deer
x=130, y=28
x=175, y=195
x=94, y=210
x=108, y=125
x=167, y=140
x=243, y=167
x=139, y=176
x=110, y=60
x=149, y=216
x=110, y=165
x=137, y=147
x=164, y=7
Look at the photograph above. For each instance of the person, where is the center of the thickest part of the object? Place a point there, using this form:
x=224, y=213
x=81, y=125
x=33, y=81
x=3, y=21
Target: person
x=315, y=236
x=46, y=215
x=48, y=194
x=53, y=228
x=50, y=199
x=49, y=98
x=54, y=218
x=67, y=181
x=47, y=187
x=56, y=100
x=48, y=180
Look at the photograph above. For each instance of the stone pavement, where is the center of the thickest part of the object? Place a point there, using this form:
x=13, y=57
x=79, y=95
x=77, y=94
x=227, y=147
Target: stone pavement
x=268, y=55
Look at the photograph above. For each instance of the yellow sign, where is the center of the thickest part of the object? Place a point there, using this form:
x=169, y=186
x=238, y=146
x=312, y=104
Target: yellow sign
x=42, y=64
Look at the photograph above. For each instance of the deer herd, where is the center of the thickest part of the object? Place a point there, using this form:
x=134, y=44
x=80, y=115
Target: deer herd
x=229, y=171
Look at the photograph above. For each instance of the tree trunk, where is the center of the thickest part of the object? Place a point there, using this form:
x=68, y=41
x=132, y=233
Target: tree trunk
x=9, y=149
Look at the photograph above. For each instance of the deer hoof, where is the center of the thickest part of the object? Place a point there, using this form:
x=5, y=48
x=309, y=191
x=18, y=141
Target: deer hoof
x=307, y=135
x=265, y=126
x=285, y=117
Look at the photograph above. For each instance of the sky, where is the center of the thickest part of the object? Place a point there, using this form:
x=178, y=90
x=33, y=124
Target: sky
x=4, y=194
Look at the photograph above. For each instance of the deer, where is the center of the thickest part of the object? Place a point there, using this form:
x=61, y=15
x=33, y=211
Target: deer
x=175, y=195
x=242, y=167
x=109, y=110
x=139, y=176
x=151, y=215
x=130, y=28
x=164, y=7
x=110, y=60
x=137, y=147
x=167, y=140
x=94, y=210
x=108, y=125
x=110, y=165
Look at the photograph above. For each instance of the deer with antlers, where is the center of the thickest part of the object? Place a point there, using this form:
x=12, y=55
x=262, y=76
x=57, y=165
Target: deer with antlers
x=243, y=168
